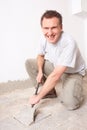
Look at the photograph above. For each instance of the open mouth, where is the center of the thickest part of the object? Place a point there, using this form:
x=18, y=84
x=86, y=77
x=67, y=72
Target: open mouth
x=51, y=37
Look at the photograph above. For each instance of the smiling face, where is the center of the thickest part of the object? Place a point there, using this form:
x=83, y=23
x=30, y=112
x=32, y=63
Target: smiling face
x=52, y=29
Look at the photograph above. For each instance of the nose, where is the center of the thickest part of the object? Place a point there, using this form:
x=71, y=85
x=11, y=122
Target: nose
x=49, y=31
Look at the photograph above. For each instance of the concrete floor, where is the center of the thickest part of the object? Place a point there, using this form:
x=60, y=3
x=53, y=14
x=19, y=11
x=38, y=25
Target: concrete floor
x=15, y=94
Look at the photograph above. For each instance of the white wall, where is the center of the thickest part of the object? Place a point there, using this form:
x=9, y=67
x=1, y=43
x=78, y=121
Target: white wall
x=85, y=37
x=20, y=31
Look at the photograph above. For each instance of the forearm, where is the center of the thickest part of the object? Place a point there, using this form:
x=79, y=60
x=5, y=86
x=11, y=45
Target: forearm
x=49, y=84
x=51, y=81
x=40, y=62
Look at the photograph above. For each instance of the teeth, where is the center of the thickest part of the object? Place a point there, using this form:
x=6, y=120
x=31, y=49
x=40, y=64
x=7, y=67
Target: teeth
x=51, y=36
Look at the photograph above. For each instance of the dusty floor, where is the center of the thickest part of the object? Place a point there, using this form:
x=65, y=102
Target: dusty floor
x=15, y=94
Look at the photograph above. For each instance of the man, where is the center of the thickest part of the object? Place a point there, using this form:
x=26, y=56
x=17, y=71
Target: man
x=58, y=58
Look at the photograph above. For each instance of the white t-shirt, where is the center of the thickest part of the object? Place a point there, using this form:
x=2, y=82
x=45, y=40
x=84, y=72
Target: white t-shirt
x=65, y=52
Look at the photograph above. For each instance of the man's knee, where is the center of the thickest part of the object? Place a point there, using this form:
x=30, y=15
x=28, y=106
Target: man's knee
x=27, y=62
x=73, y=104
x=72, y=98
x=30, y=64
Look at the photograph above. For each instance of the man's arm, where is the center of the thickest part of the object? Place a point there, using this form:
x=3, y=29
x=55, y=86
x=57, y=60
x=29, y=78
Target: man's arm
x=52, y=80
x=40, y=63
x=50, y=83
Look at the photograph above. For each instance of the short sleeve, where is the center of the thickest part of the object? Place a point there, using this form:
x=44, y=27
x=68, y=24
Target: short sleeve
x=68, y=55
x=42, y=46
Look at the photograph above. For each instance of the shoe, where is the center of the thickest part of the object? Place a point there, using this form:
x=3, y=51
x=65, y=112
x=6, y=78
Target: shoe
x=51, y=94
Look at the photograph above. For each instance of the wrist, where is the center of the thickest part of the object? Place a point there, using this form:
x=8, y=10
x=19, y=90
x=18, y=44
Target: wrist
x=39, y=96
x=40, y=71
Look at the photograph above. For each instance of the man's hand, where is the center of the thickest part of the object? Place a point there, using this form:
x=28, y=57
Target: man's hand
x=34, y=99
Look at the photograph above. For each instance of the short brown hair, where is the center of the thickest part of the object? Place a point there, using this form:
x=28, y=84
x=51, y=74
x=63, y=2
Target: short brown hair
x=51, y=14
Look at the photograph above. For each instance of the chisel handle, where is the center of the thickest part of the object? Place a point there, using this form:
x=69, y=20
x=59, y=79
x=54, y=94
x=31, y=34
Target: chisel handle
x=36, y=91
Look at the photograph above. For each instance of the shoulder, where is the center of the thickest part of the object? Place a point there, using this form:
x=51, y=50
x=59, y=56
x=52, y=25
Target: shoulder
x=67, y=37
x=67, y=40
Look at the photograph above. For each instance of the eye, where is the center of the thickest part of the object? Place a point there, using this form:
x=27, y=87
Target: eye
x=46, y=28
x=54, y=27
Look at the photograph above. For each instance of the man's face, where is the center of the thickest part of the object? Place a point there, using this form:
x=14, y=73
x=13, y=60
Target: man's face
x=51, y=29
